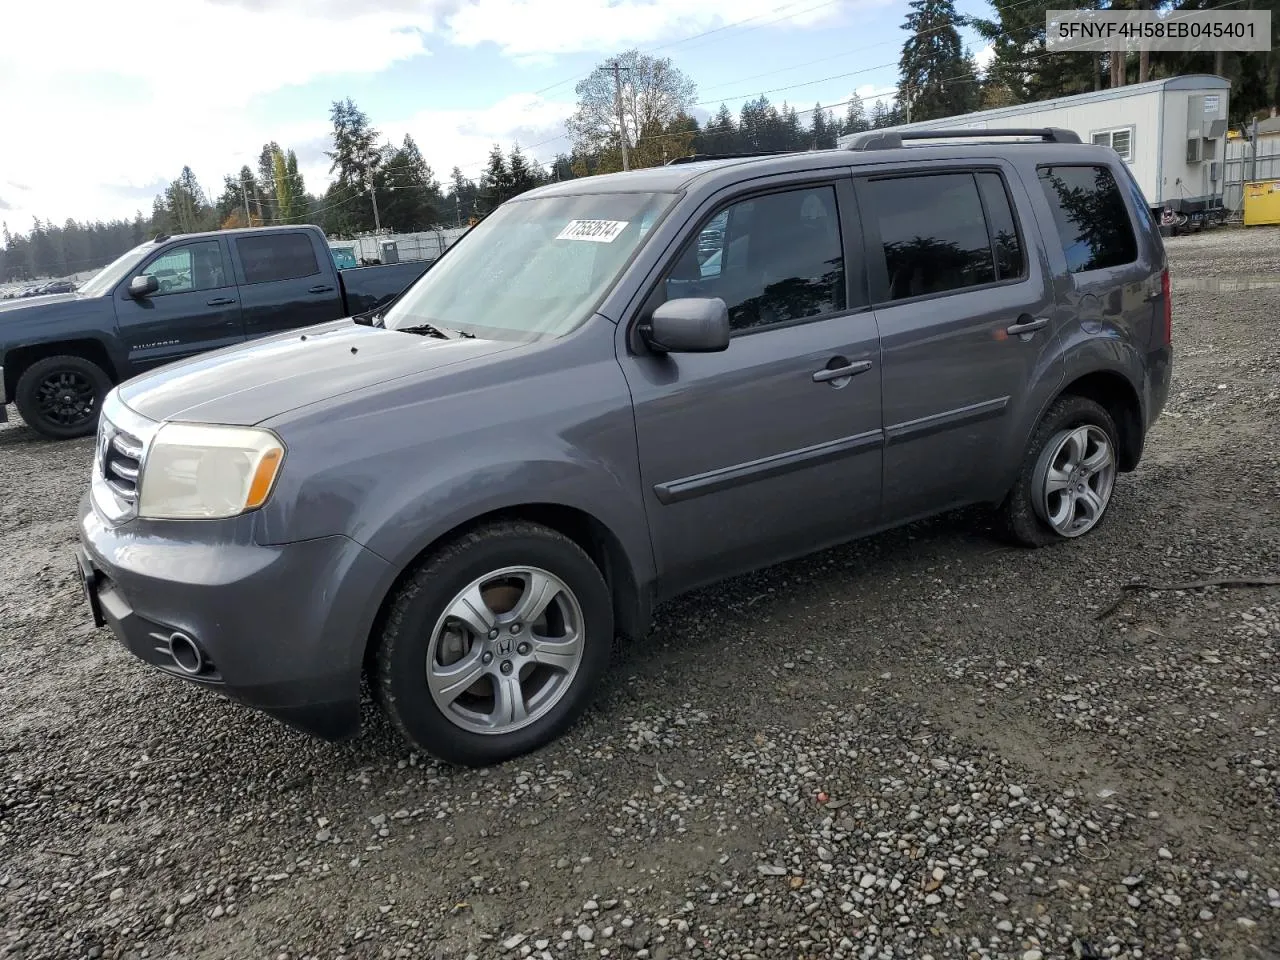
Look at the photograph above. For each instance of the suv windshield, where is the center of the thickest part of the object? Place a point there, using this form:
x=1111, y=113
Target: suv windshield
x=532, y=269
x=116, y=270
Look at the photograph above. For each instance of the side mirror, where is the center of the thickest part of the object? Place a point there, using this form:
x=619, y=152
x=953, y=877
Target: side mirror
x=688, y=325
x=143, y=286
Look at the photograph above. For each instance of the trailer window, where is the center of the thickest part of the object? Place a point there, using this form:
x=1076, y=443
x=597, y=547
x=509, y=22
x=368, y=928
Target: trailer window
x=1091, y=216
x=1120, y=140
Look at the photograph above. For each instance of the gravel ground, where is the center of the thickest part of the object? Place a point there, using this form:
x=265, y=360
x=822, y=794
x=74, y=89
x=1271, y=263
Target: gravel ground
x=922, y=745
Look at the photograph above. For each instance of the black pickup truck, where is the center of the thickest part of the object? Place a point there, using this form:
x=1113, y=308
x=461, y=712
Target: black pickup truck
x=169, y=299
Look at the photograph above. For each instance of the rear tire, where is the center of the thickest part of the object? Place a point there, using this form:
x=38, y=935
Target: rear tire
x=60, y=397
x=495, y=644
x=1067, y=477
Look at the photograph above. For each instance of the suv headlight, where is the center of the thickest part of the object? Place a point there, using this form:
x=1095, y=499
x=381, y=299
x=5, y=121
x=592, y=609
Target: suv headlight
x=206, y=472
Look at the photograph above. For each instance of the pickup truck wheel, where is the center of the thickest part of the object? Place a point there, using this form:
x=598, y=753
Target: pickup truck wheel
x=1067, y=478
x=495, y=644
x=59, y=397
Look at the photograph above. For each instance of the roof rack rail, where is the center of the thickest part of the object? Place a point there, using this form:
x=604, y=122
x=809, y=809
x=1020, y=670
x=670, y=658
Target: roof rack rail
x=891, y=139
x=700, y=157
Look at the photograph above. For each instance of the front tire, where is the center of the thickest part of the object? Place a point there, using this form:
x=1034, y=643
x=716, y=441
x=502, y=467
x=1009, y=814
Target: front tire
x=60, y=397
x=1067, y=477
x=495, y=644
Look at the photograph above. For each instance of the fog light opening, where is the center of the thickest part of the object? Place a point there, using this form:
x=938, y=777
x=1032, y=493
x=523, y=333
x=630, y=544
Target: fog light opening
x=186, y=654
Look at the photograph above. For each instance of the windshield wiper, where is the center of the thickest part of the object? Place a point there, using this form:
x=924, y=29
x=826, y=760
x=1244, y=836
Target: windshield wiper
x=431, y=330
x=427, y=329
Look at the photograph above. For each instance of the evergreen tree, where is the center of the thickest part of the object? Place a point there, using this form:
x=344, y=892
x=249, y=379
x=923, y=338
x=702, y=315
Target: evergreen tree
x=495, y=183
x=935, y=73
x=462, y=201
x=522, y=176
x=562, y=168
x=1018, y=26
x=720, y=135
x=822, y=129
x=855, y=116
x=355, y=156
x=409, y=196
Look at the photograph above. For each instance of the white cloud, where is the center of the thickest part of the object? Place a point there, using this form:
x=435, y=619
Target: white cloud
x=197, y=52
x=984, y=57
x=117, y=102
x=524, y=28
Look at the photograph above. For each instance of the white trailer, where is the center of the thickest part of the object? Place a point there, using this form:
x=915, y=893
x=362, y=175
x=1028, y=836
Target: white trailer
x=1171, y=133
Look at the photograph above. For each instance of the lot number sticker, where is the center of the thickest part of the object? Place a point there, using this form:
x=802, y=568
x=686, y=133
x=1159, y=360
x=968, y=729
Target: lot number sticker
x=595, y=231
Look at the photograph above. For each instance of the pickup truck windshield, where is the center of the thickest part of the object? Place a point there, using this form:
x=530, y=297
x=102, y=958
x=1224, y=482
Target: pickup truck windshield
x=533, y=269
x=116, y=270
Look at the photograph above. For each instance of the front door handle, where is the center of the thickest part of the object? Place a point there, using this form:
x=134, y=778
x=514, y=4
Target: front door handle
x=841, y=373
x=221, y=301
x=321, y=288
x=1026, y=324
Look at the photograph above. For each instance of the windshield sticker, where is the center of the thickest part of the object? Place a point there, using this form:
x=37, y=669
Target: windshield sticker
x=596, y=231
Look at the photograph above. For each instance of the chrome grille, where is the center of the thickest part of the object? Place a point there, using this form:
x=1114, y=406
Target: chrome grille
x=121, y=461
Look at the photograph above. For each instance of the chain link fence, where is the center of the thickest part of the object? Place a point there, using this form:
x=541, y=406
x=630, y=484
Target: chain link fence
x=396, y=247
x=1245, y=163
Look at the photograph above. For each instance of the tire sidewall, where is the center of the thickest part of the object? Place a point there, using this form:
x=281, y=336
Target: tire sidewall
x=403, y=658
x=25, y=399
x=1022, y=520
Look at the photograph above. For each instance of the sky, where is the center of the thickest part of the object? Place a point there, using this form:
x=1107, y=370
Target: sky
x=105, y=102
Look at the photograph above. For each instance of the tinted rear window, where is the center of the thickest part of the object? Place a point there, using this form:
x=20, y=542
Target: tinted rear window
x=281, y=256
x=1091, y=216
x=935, y=236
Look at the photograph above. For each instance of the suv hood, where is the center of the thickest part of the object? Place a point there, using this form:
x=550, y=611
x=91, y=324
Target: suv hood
x=249, y=383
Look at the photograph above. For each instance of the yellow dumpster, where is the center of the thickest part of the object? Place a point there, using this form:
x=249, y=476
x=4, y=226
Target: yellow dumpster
x=1261, y=202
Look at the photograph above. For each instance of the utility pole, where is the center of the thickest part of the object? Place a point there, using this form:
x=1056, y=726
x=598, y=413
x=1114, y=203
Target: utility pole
x=244, y=192
x=370, y=169
x=622, y=117
x=377, y=224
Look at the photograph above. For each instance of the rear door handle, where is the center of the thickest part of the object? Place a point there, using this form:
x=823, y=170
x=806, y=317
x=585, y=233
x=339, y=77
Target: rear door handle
x=221, y=301
x=840, y=373
x=320, y=289
x=1029, y=325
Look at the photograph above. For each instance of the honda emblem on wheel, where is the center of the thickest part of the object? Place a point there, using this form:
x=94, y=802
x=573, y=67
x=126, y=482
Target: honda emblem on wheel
x=504, y=646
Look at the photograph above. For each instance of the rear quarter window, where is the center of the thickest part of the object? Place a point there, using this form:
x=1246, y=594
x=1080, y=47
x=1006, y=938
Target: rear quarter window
x=1090, y=214
x=279, y=256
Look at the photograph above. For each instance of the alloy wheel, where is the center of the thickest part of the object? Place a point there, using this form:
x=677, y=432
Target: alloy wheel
x=505, y=650
x=1074, y=479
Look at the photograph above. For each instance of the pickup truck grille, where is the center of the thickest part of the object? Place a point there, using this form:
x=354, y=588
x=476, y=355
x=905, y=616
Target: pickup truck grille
x=119, y=460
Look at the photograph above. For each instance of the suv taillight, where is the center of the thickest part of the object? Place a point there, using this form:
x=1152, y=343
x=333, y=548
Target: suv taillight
x=1166, y=296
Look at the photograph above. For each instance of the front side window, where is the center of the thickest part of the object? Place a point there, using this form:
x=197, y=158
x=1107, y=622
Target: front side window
x=773, y=258
x=277, y=256
x=1091, y=217
x=935, y=237
x=189, y=267
x=533, y=269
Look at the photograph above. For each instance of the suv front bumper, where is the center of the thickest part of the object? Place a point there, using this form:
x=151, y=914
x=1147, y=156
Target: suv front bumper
x=281, y=629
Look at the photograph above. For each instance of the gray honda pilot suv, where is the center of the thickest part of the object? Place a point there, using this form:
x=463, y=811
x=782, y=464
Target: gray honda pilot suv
x=617, y=389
